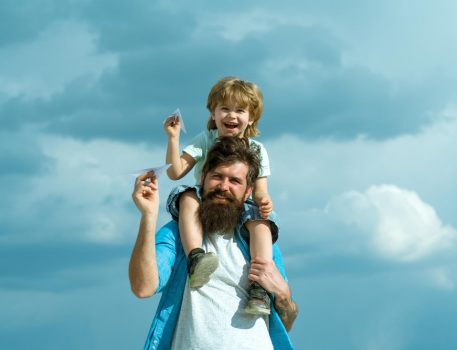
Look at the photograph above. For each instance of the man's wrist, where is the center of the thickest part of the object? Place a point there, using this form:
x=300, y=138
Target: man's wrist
x=150, y=213
x=282, y=296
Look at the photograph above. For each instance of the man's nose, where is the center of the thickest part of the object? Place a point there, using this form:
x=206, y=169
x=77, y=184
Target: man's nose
x=224, y=185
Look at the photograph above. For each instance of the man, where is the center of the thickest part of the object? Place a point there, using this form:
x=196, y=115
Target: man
x=212, y=316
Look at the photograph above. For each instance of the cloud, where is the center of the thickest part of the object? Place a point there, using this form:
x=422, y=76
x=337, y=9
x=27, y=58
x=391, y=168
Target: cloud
x=83, y=196
x=310, y=176
x=132, y=71
x=398, y=224
x=23, y=22
x=443, y=277
x=55, y=266
x=56, y=318
x=21, y=155
x=326, y=168
x=63, y=51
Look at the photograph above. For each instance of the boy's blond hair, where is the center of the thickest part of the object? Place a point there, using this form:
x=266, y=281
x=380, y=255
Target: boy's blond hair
x=244, y=94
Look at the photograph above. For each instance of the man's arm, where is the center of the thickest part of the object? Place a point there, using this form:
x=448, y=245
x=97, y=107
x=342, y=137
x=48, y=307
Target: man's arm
x=267, y=275
x=286, y=308
x=143, y=272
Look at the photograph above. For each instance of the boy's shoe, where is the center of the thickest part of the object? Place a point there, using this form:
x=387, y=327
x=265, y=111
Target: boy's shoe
x=200, y=266
x=259, y=301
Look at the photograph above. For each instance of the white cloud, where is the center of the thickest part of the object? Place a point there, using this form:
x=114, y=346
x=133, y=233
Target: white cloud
x=256, y=21
x=86, y=192
x=441, y=278
x=397, y=223
x=63, y=52
x=309, y=173
x=413, y=219
x=96, y=177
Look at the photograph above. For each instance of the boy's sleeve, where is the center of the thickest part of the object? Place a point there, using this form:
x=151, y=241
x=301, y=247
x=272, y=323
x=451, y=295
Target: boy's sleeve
x=173, y=199
x=197, y=146
x=251, y=213
x=167, y=246
x=264, y=161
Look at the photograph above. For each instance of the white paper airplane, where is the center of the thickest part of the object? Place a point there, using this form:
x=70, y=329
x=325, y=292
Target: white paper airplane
x=158, y=171
x=178, y=117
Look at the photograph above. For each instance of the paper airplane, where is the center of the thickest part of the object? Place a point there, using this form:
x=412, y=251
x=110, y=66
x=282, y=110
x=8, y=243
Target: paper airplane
x=158, y=171
x=178, y=117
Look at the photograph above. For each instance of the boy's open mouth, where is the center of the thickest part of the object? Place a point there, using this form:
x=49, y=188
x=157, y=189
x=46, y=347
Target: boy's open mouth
x=231, y=126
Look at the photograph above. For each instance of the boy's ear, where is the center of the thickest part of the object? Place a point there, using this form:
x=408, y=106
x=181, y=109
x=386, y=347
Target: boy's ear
x=250, y=122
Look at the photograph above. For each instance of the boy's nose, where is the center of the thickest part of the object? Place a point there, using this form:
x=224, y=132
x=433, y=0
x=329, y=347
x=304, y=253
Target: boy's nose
x=231, y=113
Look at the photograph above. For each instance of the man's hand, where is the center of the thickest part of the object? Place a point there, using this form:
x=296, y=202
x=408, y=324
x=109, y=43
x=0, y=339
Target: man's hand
x=143, y=273
x=146, y=193
x=172, y=126
x=264, y=203
x=265, y=273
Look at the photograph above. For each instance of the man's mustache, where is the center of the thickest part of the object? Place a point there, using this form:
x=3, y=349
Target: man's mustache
x=219, y=193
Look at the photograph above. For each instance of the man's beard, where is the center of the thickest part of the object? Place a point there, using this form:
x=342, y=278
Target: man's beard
x=218, y=217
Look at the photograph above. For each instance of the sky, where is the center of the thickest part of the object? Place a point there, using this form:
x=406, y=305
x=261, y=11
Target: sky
x=360, y=122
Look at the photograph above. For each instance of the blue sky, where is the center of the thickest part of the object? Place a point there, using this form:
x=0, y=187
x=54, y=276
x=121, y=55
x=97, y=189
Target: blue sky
x=360, y=122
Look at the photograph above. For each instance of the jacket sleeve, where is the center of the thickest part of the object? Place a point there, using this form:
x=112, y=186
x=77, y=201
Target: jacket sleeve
x=168, y=246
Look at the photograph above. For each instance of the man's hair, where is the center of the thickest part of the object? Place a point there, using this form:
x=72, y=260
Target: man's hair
x=229, y=150
x=244, y=94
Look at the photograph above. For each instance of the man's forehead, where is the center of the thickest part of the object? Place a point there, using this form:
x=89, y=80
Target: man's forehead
x=236, y=168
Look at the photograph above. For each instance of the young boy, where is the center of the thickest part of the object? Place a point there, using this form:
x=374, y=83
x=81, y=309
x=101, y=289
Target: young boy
x=235, y=109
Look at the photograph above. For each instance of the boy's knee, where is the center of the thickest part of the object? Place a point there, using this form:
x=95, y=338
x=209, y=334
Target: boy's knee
x=258, y=225
x=188, y=197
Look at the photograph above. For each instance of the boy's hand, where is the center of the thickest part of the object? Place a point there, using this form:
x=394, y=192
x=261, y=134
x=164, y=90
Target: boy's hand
x=172, y=126
x=265, y=205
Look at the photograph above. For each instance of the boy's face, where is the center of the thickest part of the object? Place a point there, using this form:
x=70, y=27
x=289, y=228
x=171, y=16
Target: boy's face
x=231, y=119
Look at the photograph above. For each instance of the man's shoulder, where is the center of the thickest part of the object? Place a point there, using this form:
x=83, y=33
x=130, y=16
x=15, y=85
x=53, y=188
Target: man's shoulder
x=168, y=232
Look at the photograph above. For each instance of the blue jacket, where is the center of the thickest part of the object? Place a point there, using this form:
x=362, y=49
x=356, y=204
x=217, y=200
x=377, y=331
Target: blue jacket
x=172, y=269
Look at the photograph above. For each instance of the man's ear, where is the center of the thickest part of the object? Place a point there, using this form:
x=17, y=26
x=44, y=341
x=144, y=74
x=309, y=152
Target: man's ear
x=202, y=180
x=248, y=193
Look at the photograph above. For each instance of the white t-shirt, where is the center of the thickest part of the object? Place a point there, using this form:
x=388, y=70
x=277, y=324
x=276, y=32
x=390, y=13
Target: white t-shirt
x=202, y=143
x=213, y=316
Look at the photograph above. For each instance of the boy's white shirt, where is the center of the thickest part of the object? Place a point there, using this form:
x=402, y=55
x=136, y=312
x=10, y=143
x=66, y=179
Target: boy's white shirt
x=202, y=143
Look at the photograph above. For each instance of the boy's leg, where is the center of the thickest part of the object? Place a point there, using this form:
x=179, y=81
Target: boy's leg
x=200, y=264
x=260, y=245
x=190, y=228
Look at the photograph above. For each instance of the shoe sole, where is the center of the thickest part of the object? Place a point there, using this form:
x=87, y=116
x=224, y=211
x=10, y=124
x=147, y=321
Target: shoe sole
x=256, y=310
x=203, y=271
